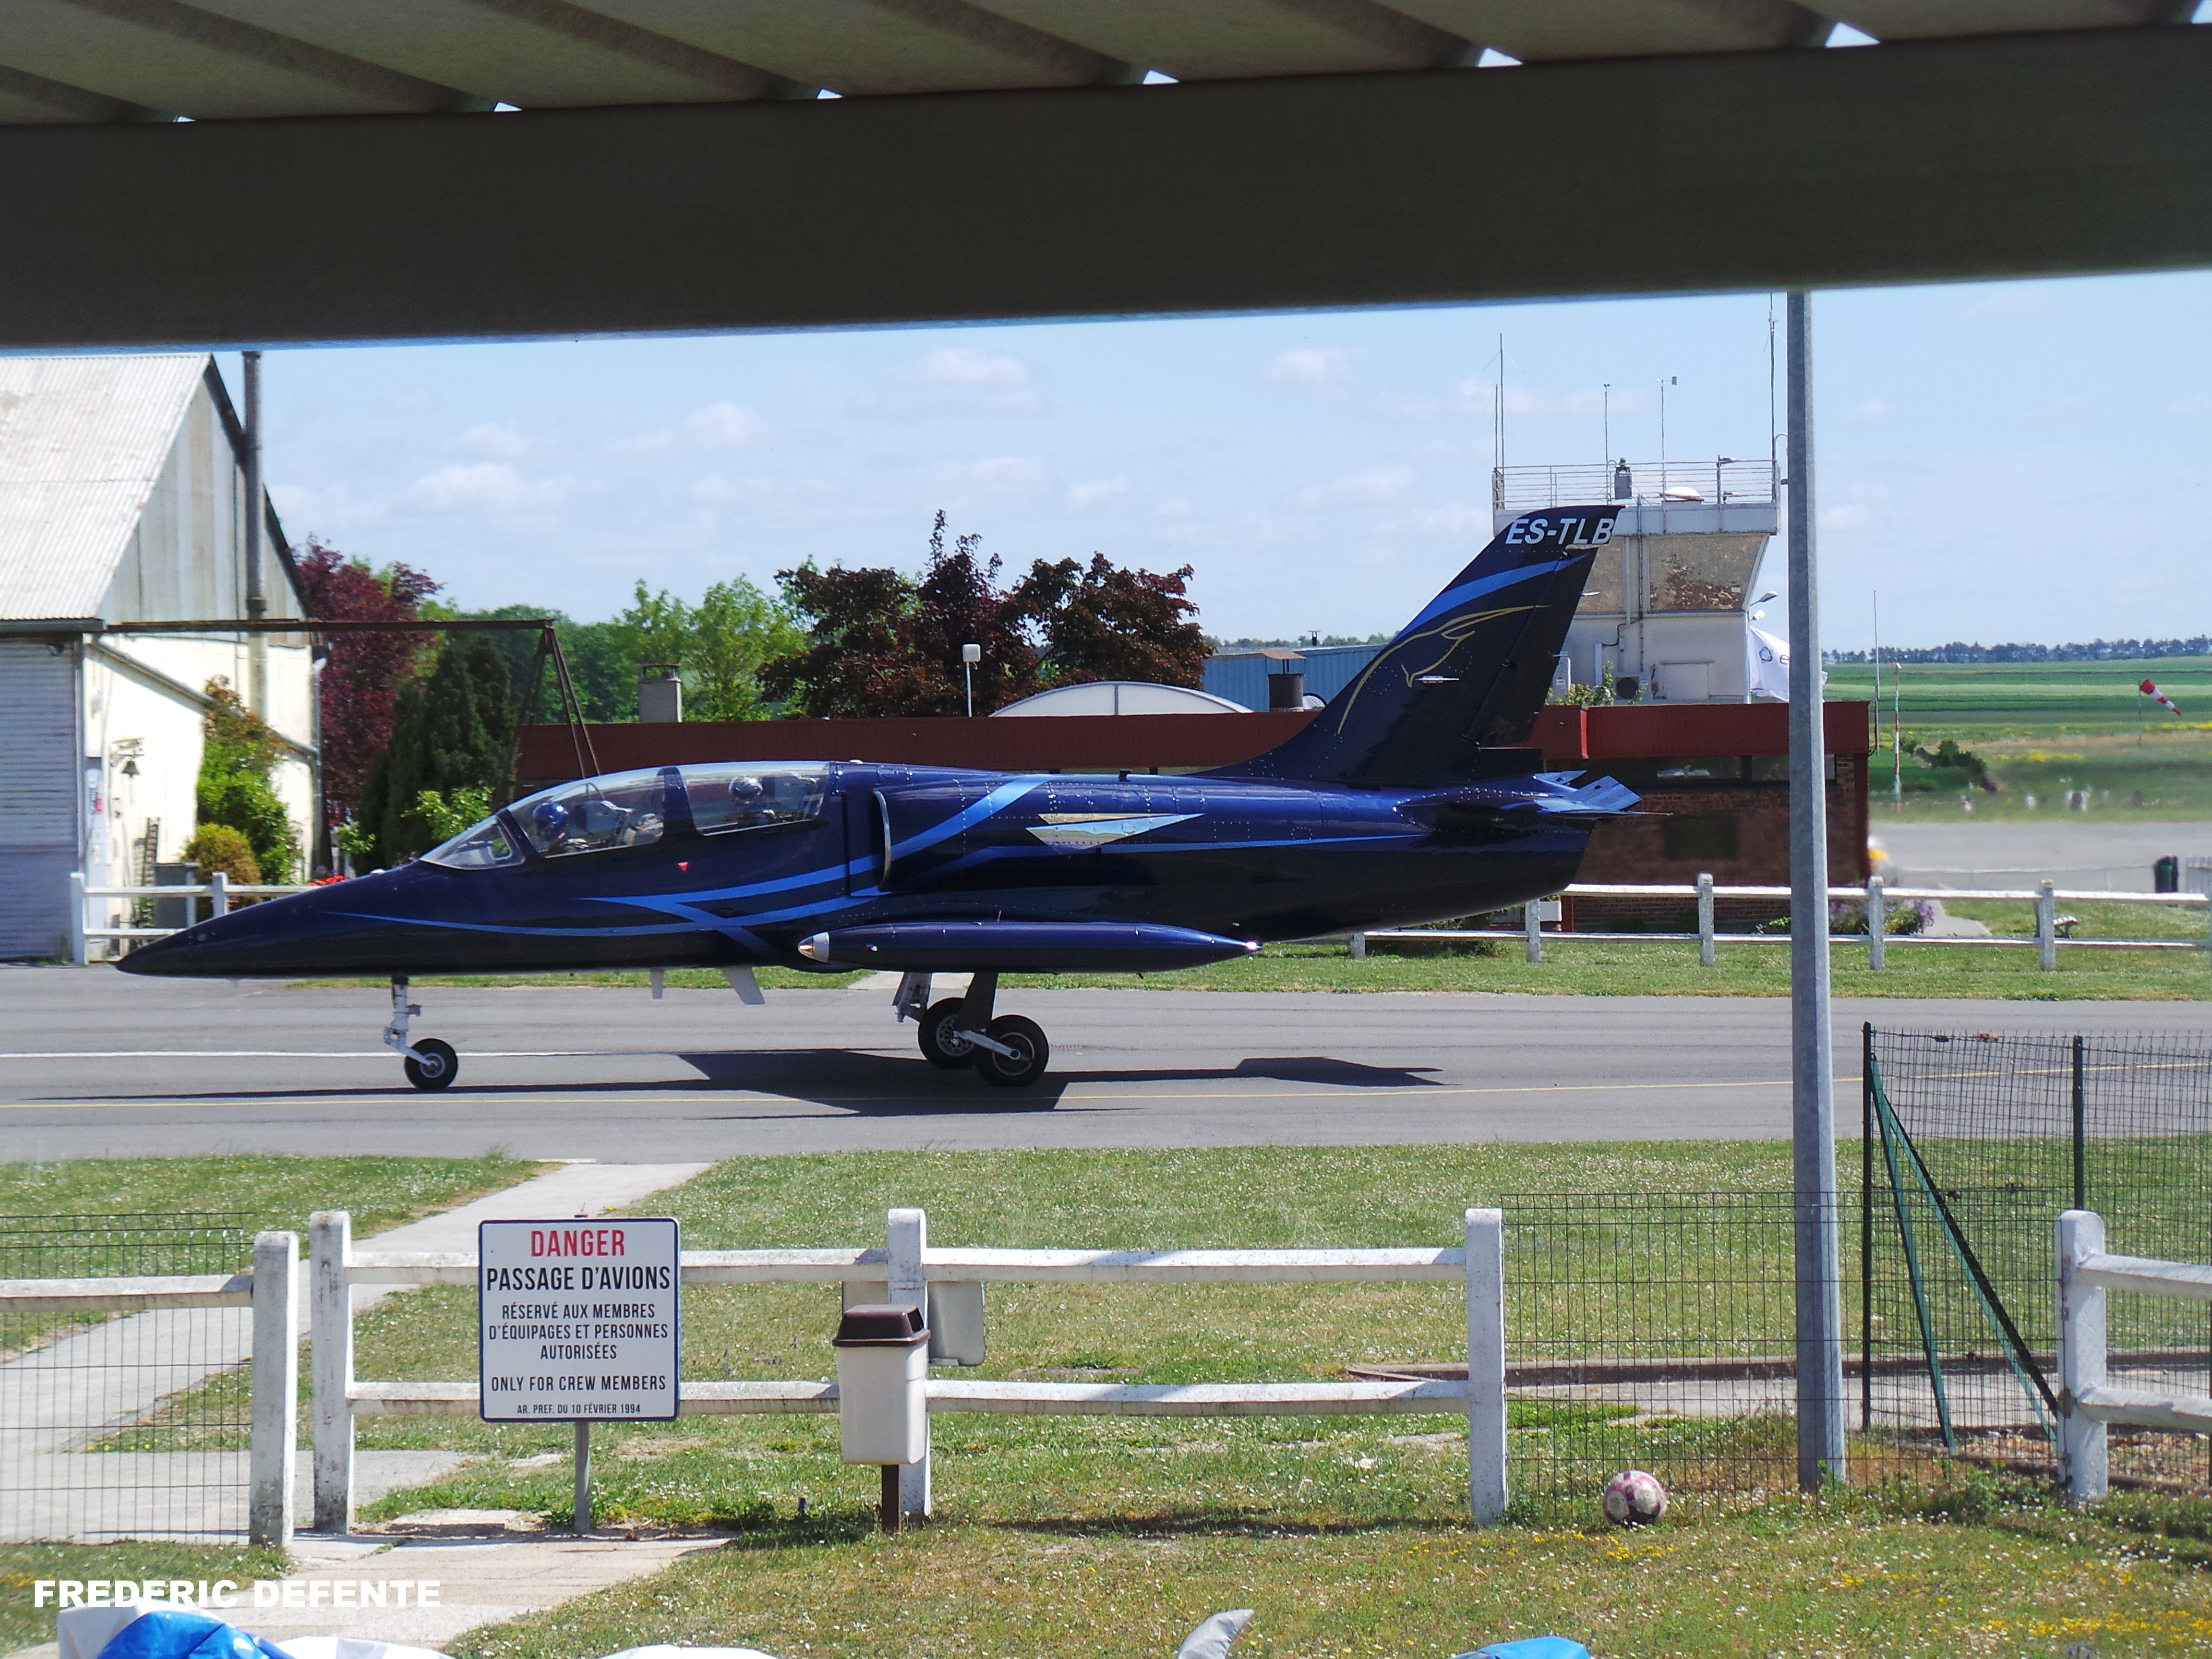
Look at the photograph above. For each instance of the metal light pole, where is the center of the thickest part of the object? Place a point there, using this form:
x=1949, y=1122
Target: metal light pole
x=257, y=602
x=1812, y=1071
x=969, y=656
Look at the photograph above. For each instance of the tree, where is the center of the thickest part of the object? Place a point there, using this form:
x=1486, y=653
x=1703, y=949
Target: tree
x=218, y=846
x=454, y=731
x=882, y=643
x=361, y=672
x=1106, y=623
x=719, y=644
x=238, y=757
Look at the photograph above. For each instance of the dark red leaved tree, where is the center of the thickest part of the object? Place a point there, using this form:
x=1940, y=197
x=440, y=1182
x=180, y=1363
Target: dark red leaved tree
x=361, y=679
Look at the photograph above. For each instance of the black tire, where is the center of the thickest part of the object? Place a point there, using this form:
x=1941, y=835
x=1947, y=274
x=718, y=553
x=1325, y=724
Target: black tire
x=437, y=1068
x=940, y=1044
x=1032, y=1053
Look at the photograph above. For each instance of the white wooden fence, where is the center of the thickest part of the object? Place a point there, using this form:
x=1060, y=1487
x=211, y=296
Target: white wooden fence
x=2088, y=1402
x=218, y=889
x=1876, y=895
x=949, y=1285
x=270, y=1289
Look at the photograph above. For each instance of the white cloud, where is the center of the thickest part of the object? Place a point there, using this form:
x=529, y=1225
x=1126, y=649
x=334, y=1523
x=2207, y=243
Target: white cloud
x=1313, y=367
x=1377, y=485
x=1453, y=519
x=2201, y=403
x=969, y=366
x=415, y=400
x=1096, y=494
x=2065, y=407
x=308, y=510
x=717, y=426
x=1872, y=409
x=490, y=488
x=997, y=477
x=499, y=441
x=1849, y=517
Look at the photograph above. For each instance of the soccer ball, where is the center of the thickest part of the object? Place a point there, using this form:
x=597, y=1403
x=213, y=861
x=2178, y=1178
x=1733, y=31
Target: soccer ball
x=1633, y=1498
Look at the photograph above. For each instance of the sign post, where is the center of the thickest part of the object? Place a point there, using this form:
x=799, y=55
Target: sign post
x=578, y=1320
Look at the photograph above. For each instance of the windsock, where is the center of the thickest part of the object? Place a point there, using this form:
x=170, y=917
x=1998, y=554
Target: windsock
x=2151, y=690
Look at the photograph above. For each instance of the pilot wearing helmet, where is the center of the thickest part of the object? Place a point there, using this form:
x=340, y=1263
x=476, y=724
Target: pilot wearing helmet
x=749, y=799
x=549, y=822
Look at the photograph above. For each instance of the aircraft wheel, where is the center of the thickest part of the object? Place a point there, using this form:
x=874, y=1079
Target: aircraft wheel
x=437, y=1068
x=941, y=1044
x=1032, y=1053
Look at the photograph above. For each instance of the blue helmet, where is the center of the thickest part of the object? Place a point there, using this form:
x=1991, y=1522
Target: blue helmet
x=550, y=816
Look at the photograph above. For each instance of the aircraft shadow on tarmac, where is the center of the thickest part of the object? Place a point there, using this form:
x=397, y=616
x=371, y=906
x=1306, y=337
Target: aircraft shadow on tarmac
x=865, y=1084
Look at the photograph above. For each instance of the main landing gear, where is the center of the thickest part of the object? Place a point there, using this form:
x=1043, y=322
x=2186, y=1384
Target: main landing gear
x=428, y=1063
x=1009, y=1051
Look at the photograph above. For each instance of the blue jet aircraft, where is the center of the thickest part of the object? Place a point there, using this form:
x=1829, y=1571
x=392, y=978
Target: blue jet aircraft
x=1408, y=798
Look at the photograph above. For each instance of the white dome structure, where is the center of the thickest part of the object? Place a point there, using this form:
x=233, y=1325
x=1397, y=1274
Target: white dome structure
x=1121, y=697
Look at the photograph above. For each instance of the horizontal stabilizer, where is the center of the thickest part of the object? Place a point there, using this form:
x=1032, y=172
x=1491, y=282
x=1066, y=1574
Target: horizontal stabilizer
x=1542, y=795
x=1022, y=947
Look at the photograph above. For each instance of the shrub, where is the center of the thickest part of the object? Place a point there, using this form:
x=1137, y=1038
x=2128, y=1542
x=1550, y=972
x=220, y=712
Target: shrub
x=219, y=846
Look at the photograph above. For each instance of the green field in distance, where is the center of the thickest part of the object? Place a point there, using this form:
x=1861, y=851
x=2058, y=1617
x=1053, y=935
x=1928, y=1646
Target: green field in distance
x=1980, y=700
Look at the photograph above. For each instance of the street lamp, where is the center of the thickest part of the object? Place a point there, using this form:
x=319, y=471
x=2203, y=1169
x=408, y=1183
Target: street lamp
x=969, y=656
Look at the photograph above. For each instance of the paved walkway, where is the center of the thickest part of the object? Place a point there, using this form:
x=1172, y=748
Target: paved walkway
x=480, y=1581
x=61, y=1399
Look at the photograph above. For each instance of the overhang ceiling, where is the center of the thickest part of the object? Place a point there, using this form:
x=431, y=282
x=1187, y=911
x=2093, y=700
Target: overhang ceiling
x=94, y=61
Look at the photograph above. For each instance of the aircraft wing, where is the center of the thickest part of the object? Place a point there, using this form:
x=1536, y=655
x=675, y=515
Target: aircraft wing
x=1022, y=947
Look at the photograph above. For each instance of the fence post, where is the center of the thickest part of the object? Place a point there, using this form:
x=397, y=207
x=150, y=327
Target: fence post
x=2047, y=927
x=1877, y=920
x=1532, y=924
x=907, y=1286
x=2081, y=1355
x=80, y=948
x=275, y=1387
x=219, y=893
x=1358, y=947
x=1704, y=919
x=330, y=1326
x=1486, y=1365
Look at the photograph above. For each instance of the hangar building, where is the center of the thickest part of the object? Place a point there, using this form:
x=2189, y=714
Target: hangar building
x=123, y=499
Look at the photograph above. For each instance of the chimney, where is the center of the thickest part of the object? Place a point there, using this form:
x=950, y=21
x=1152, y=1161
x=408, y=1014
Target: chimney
x=659, y=693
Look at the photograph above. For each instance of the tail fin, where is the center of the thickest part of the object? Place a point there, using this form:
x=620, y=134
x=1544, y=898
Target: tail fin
x=1467, y=674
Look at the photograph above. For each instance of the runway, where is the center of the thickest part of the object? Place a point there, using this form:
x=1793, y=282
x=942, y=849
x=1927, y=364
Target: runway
x=93, y=1063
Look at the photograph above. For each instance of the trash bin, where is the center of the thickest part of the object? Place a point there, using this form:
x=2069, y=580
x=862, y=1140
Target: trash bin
x=883, y=1380
x=2165, y=875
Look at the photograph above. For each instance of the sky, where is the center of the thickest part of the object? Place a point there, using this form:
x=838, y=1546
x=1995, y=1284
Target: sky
x=2002, y=461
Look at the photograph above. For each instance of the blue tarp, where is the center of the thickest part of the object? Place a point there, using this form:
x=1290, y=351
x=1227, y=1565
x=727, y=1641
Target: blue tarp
x=176, y=1634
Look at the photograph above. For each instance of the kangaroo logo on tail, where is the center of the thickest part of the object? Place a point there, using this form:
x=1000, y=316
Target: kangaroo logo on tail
x=1466, y=674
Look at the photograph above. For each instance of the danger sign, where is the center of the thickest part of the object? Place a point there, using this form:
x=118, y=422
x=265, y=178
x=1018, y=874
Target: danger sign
x=577, y=1319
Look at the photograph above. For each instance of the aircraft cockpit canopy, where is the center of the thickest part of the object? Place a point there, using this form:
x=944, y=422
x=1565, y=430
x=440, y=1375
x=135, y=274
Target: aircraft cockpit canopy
x=631, y=809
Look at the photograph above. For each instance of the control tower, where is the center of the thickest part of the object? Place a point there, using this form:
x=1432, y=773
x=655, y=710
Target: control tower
x=1670, y=602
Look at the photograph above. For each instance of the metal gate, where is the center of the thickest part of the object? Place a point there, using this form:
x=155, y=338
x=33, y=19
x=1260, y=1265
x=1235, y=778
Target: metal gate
x=1972, y=1143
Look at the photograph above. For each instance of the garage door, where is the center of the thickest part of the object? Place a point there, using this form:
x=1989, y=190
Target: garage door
x=38, y=797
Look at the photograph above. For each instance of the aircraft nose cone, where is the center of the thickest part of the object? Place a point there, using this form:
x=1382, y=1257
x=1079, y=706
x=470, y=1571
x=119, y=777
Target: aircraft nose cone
x=222, y=947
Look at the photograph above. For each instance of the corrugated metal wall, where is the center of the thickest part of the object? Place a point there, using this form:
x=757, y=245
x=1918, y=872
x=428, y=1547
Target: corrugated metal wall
x=1242, y=676
x=38, y=796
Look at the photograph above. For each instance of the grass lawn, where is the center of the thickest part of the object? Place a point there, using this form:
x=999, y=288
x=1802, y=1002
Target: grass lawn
x=262, y=1191
x=2026, y=700
x=1669, y=968
x=23, y=1623
x=1840, y=1579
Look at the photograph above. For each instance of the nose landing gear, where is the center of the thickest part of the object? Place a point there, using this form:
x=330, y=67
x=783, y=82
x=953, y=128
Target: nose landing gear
x=1008, y=1052
x=429, y=1063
